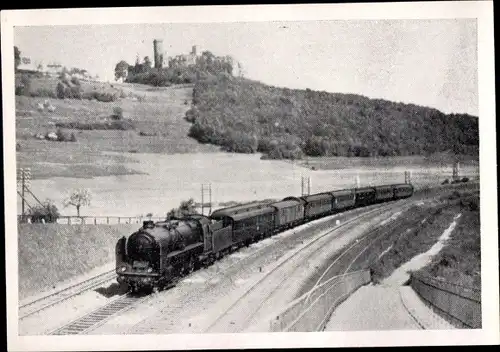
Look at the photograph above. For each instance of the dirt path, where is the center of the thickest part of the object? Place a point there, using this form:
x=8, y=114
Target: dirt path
x=390, y=305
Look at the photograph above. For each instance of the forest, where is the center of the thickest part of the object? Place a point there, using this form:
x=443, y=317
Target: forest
x=246, y=116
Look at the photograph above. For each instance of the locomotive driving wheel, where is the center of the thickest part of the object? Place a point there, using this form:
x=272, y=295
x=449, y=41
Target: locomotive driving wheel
x=190, y=266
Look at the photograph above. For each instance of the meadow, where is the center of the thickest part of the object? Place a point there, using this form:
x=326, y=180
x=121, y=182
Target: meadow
x=157, y=116
x=82, y=248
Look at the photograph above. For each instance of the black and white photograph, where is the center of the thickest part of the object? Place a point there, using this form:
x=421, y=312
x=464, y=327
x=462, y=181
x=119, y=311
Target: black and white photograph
x=259, y=176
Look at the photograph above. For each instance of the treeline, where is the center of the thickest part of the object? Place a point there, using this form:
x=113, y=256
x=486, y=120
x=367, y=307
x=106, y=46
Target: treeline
x=206, y=65
x=247, y=116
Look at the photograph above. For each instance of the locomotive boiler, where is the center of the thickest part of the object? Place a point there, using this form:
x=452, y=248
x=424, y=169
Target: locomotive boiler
x=158, y=252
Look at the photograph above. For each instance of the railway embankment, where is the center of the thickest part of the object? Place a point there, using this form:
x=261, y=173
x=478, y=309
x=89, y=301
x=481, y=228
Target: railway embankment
x=50, y=254
x=420, y=291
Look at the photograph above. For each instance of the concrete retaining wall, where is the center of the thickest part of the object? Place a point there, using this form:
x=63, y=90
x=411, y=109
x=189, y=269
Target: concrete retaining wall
x=311, y=311
x=460, y=305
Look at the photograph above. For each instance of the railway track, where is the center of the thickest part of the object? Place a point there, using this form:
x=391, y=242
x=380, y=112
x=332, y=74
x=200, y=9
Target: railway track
x=55, y=298
x=99, y=316
x=167, y=320
x=342, y=264
x=231, y=317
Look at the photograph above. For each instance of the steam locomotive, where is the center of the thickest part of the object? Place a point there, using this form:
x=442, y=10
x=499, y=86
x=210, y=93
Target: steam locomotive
x=161, y=252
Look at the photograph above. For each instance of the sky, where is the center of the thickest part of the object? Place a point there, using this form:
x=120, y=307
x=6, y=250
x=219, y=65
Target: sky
x=424, y=62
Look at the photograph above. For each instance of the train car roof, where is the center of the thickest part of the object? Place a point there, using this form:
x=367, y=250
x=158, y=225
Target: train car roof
x=285, y=203
x=365, y=189
x=317, y=196
x=238, y=209
x=403, y=185
x=252, y=213
x=383, y=186
x=297, y=199
x=342, y=192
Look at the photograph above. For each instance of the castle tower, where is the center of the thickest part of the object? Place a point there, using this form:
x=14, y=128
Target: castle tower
x=158, y=53
x=193, y=50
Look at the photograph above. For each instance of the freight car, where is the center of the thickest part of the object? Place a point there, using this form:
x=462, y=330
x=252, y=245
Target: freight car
x=158, y=253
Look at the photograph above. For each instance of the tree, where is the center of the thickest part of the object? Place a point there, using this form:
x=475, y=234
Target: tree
x=186, y=207
x=78, y=198
x=17, y=57
x=121, y=70
x=147, y=62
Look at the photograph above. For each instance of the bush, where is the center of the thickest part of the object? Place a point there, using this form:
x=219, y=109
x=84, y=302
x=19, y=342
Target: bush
x=43, y=93
x=47, y=212
x=75, y=92
x=24, y=86
x=147, y=134
x=185, y=208
x=105, y=97
x=88, y=126
x=60, y=90
x=63, y=137
x=192, y=115
x=117, y=113
x=75, y=81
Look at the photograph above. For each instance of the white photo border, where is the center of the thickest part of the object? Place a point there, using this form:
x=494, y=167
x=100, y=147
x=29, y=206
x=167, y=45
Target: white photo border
x=480, y=10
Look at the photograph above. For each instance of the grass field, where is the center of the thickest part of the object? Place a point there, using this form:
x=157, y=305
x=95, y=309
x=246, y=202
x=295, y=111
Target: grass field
x=158, y=116
x=460, y=259
x=80, y=248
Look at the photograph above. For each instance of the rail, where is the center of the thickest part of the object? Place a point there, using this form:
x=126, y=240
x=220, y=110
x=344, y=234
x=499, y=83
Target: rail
x=311, y=311
x=458, y=304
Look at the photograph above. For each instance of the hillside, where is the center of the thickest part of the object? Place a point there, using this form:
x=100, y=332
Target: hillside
x=247, y=116
x=156, y=116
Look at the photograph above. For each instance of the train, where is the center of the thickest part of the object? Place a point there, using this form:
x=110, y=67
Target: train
x=161, y=252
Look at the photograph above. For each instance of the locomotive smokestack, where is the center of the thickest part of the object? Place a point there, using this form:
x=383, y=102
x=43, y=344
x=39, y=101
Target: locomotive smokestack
x=158, y=52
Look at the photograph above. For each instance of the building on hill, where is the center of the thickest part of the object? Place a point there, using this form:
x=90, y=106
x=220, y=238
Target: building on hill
x=54, y=69
x=158, y=53
x=184, y=60
x=27, y=65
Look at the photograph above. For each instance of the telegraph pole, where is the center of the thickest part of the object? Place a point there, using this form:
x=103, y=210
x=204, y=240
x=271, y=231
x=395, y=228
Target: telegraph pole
x=24, y=178
x=206, y=188
x=22, y=193
x=202, y=201
x=210, y=198
x=407, y=177
x=305, y=186
x=456, y=166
